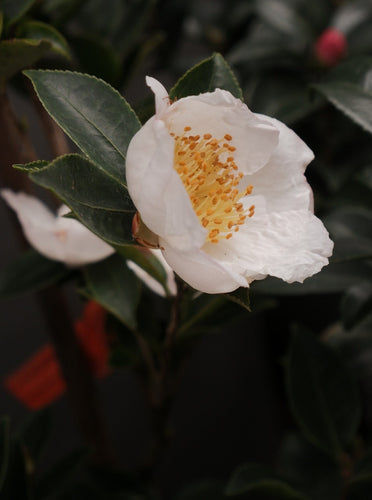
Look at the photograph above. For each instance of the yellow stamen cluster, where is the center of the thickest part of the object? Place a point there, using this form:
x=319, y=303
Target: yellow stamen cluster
x=211, y=177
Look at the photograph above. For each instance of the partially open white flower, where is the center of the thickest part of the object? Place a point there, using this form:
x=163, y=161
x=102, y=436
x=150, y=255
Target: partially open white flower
x=225, y=192
x=54, y=236
x=151, y=282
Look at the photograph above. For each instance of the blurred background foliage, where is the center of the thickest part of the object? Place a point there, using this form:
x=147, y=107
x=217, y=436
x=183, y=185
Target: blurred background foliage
x=321, y=331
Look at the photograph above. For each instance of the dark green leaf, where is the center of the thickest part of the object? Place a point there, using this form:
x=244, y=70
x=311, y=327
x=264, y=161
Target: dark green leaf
x=251, y=477
x=356, y=304
x=4, y=449
x=31, y=167
x=37, y=30
x=206, y=76
x=349, y=88
x=267, y=48
x=115, y=287
x=93, y=114
x=14, y=9
x=323, y=395
x=147, y=261
x=97, y=57
x=96, y=198
x=285, y=98
x=34, y=434
x=298, y=20
x=351, y=230
x=18, y=54
x=30, y=272
x=309, y=470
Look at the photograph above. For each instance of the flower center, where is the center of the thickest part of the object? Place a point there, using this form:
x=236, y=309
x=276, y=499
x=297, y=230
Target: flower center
x=210, y=175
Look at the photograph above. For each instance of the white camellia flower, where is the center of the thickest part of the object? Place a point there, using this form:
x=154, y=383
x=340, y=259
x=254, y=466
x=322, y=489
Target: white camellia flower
x=152, y=283
x=54, y=236
x=224, y=191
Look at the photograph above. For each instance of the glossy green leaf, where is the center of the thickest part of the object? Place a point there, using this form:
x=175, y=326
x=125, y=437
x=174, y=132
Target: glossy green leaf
x=37, y=30
x=18, y=54
x=96, y=198
x=323, y=395
x=14, y=9
x=206, y=76
x=33, y=166
x=93, y=114
x=4, y=449
x=255, y=478
x=115, y=287
x=30, y=272
x=356, y=304
x=349, y=88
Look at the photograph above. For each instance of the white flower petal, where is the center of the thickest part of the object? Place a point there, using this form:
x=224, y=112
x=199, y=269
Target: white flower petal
x=152, y=283
x=289, y=245
x=201, y=271
x=282, y=179
x=156, y=188
x=212, y=189
x=161, y=95
x=82, y=246
x=56, y=237
x=219, y=113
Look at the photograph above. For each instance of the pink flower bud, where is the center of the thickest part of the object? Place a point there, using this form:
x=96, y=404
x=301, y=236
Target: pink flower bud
x=330, y=47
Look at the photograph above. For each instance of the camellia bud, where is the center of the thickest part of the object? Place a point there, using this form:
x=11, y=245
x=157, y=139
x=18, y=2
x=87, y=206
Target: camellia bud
x=330, y=47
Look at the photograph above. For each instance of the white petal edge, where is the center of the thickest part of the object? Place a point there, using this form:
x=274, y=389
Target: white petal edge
x=57, y=238
x=201, y=271
x=161, y=95
x=290, y=245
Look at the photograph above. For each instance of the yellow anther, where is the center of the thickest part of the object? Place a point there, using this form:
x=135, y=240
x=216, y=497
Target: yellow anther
x=212, y=182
